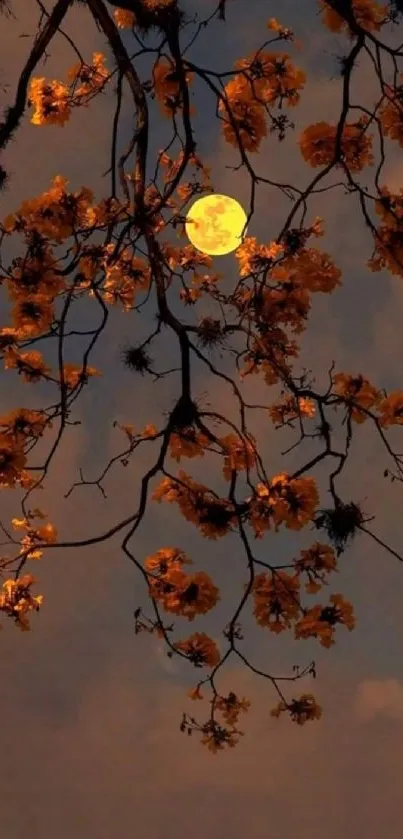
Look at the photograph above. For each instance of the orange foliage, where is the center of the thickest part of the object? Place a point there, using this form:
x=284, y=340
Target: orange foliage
x=367, y=13
x=200, y=650
x=318, y=145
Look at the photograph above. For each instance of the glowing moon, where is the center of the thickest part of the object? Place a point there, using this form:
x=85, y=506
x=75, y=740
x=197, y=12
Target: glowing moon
x=215, y=224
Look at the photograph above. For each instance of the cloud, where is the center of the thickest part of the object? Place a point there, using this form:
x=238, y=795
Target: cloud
x=379, y=696
x=122, y=750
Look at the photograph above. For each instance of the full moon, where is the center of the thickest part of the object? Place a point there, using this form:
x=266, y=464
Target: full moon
x=214, y=224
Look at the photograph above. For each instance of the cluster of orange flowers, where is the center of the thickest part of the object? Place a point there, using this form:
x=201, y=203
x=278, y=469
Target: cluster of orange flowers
x=24, y=424
x=124, y=19
x=52, y=100
x=301, y=710
x=251, y=256
x=271, y=77
x=239, y=454
x=388, y=241
x=30, y=365
x=315, y=562
x=214, y=735
x=214, y=516
x=360, y=396
x=319, y=622
x=266, y=79
x=181, y=594
x=318, y=144
x=187, y=443
x=289, y=408
x=391, y=409
x=357, y=392
x=288, y=501
x=33, y=535
x=230, y=707
x=148, y=13
x=12, y=463
x=55, y=215
x=391, y=113
x=125, y=275
x=167, y=87
x=368, y=14
x=16, y=600
x=200, y=649
x=276, y=600
x=277, y=607
x=18, y=428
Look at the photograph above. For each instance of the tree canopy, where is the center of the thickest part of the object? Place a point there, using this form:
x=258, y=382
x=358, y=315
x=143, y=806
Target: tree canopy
x=117, y=256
